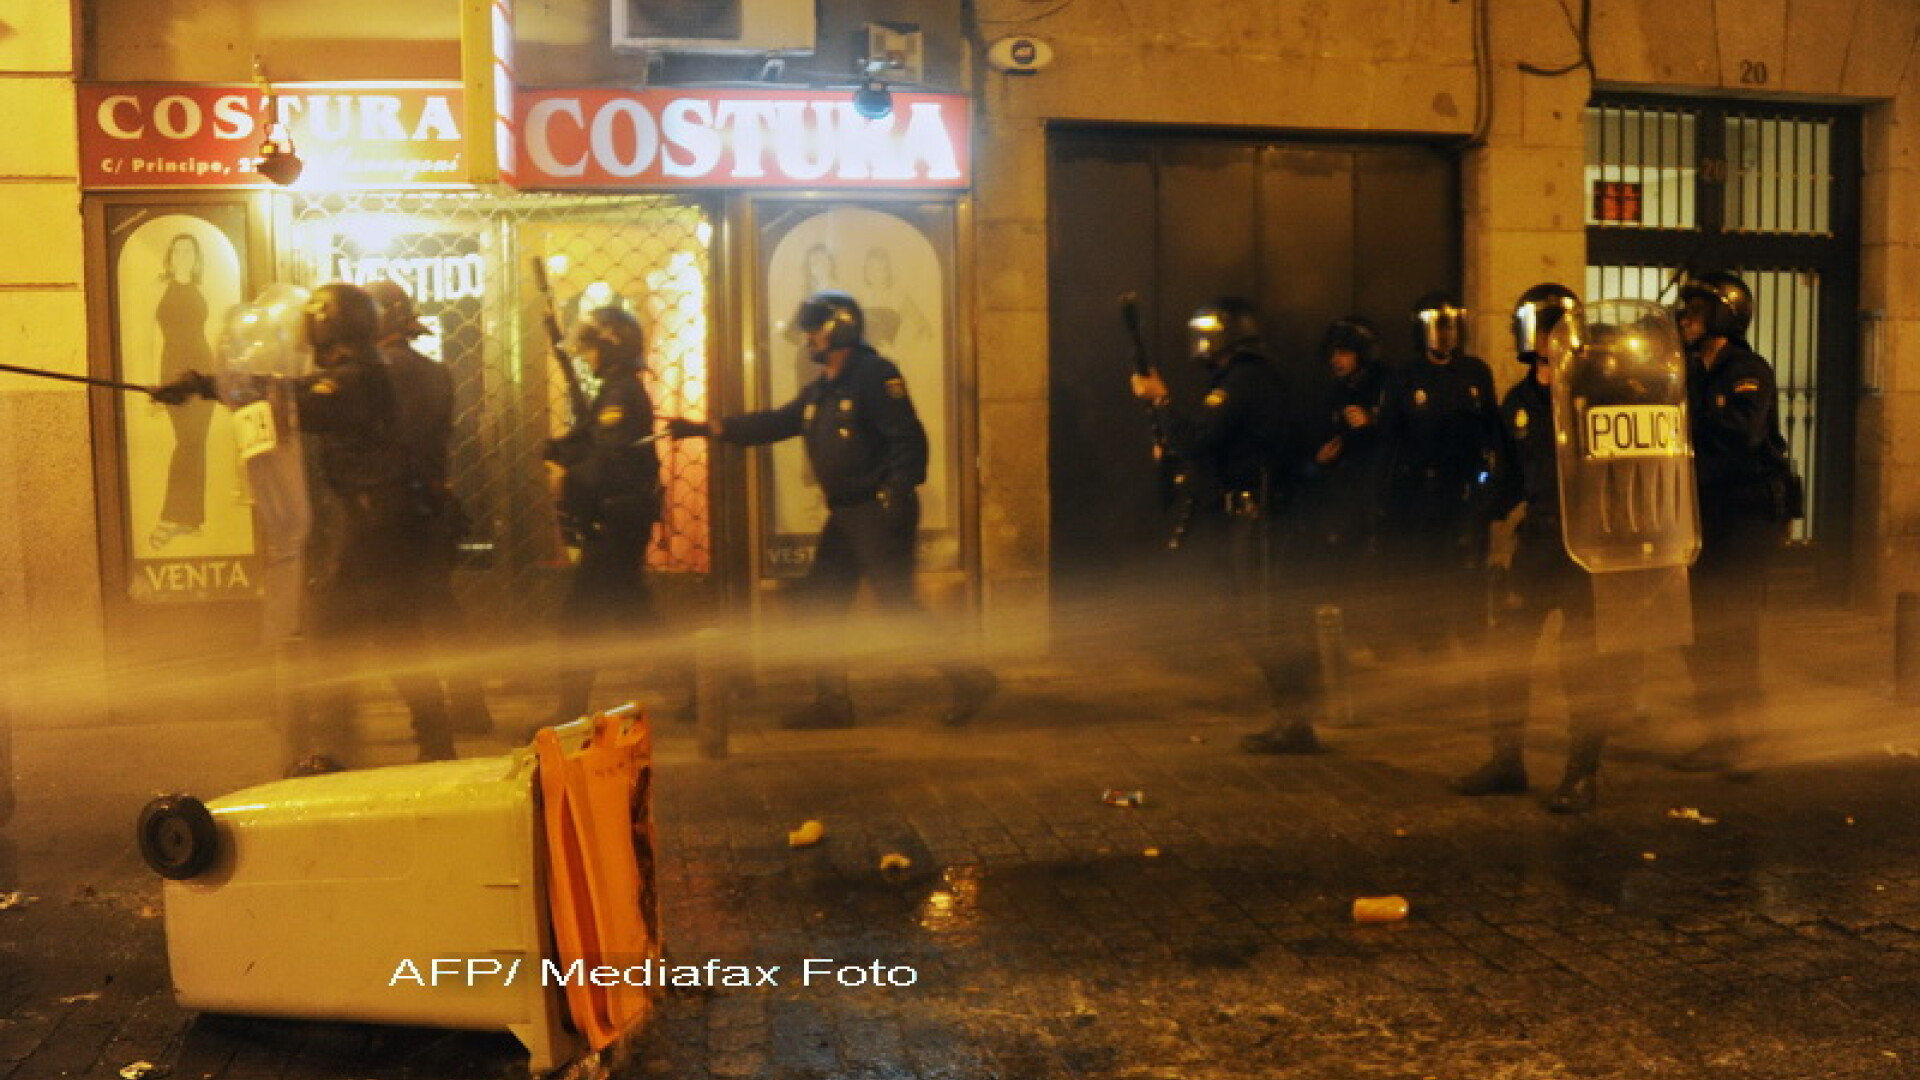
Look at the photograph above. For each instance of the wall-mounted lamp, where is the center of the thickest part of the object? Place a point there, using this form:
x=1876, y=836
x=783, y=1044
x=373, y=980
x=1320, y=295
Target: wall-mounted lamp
x=279, y=161
x=872, y=100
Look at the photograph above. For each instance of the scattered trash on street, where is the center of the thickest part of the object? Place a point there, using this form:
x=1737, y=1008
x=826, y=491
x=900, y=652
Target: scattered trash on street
x=141, y=1070
x=1152, y=853
x=15, y=899
x=1379, y=909
x=808, y=834
x=1127, y=799
x=1688, y=813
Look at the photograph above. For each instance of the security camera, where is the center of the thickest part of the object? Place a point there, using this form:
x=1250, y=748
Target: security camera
x=1019, y=55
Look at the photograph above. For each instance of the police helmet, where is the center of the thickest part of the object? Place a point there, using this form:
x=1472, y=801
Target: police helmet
x=341, y=314
x=840, y=313
x=1536, y=314
x=1217, y=328
x=612, y=335
x=1355, y=334
x=397, y=315
x=1440, y=323
x=1729, y=302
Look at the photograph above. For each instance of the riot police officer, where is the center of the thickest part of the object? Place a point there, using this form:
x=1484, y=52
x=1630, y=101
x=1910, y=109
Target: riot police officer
x=868, y=451
x=1441, y=424
x=365, y=556
x=609, y=500
x=1245, y=443
x=423, y=395
x=1541, y=579
x=1748, y=495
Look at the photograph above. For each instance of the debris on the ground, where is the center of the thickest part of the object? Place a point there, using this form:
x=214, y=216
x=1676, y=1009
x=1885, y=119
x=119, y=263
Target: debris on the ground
x=1400, y=834
x=1379, y=909
x=1850, y=819
x=80, y=999
x=894, y=862
x=1196, y=738
x=141, y=1070
x=808, y=834
x=15, y=899
x=1127, y=799
x=1152, y=853
x=1648, y=856
x=1688, y=813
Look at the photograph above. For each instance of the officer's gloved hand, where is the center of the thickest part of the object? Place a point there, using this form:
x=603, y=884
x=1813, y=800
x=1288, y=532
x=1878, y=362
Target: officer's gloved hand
x=184, y=389
x=900, y=506
x=682, y=428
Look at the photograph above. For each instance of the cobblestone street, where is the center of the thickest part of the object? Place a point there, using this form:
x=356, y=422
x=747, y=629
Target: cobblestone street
x=1690, y=928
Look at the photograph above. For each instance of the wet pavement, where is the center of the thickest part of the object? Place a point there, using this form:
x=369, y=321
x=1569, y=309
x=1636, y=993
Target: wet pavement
x=1692, y=927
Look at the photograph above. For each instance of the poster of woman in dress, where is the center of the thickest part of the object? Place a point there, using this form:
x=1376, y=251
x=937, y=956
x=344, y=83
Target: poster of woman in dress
x=892, y=267
x=190, y=523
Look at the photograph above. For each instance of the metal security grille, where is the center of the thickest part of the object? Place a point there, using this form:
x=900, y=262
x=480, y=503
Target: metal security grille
x=466, y=261
x=1759, y=191
x=1779, y=176
x=1641, y=167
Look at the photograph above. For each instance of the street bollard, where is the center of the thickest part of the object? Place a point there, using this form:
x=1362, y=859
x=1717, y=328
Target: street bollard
x=710, y=691
x=1330, y=636
x=1906, y=648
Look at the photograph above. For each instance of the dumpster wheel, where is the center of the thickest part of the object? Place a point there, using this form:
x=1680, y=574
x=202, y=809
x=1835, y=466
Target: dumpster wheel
x=177, y=836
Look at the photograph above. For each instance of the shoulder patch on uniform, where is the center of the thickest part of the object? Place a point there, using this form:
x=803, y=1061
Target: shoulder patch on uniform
x=1216, y=398
x=325, y=386
x=897, y=387
x=1419, y=397
x=1746, y=386
x=1474, y=391
x=611, y=415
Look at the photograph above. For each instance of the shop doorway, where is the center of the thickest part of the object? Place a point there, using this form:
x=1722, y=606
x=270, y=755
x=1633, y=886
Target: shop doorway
x=1310, y=231
x=1771, y=192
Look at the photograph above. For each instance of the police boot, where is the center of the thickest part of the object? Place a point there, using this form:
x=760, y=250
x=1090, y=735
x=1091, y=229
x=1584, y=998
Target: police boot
x=1288, y=737
x=1579, y=788
x=1505, y=773
x=972, y=687
x=831, y=707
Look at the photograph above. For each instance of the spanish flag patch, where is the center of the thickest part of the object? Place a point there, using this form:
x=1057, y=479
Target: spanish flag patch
x=612, y=415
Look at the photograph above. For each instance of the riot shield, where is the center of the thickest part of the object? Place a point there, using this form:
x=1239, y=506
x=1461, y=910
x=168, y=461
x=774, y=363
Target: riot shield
x=1628, y=508
x=262, y=340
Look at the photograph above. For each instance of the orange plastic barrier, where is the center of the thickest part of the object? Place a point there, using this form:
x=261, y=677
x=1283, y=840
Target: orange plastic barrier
x=597, y=803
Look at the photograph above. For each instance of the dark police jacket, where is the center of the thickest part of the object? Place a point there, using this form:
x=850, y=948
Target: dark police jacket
x=861, y=433
x=1242, y=438
x=349, y=406
x=609, y=480
x=423, y=395
x=1530, y=472
x=1441, y=423
x=1739, y=455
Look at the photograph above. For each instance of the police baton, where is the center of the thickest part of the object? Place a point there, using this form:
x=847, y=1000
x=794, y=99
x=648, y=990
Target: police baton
x=109, y=384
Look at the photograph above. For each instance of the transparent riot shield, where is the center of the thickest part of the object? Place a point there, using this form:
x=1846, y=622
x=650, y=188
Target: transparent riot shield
x=1628, y=508
x=263, y=339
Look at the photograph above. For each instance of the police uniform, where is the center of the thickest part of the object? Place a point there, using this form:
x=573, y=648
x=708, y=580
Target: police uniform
x=1748, y=494
x=1441, y=425
x=424, y=401
x=1542, y=579
x=365, y=556
x=868, y=452
x=609, y=501
x=1345, y=501
x=1246, y=444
